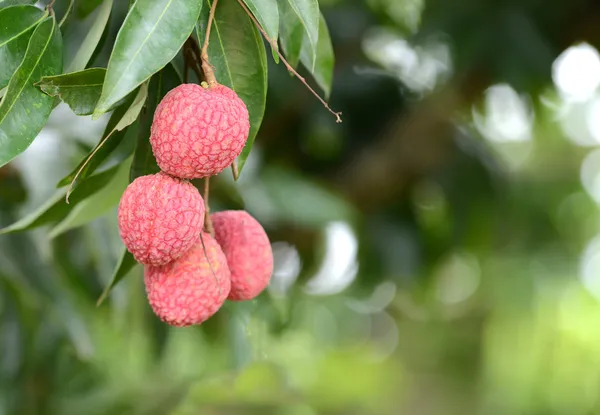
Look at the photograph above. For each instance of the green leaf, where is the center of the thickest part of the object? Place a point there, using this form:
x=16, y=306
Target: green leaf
x=267, y=14
x=151, y=35
x=85, y=8
x=67, y=13
x=322, y=65
x=16, y=26
x=8, y=3
x=56, y=208
x=126, y=264
x=98, y=204
x=24, y=108
x=114, y=132
x=298, y=18
x=143, y=159
x=88, y=46
x=238, y=55
x=79, y=90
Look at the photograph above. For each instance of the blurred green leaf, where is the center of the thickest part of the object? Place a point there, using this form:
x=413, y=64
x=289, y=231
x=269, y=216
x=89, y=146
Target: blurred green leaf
x=17, y=24
x=85, y=8
x=299, y=18
x=8, y=3
x=125, y=264
x=322, y=65
x=114, y=132
x=98, y=204
x=86, y=50
x=79, y=90
x=151, y=35
x=143, y=159
x=301, y=201
x=56, y=208
x=24, y=108
x=238, y=55
x=267, y=14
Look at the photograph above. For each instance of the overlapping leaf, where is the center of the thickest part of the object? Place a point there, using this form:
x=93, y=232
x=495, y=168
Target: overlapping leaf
x=97, y=204
x=321, y=64
x=79, y=90
x=267, y=15
x=114, y=132
x=25, y=109
x=299, y=18
x=91, y=40
x=17, y=25
x=56, y=208
x=151, y=35
x=238, y=55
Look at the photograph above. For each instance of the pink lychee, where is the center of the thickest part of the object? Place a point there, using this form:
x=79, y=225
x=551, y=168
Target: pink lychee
x=191, y=289
x=197, y=131
x=248, y=251
x=160, y=218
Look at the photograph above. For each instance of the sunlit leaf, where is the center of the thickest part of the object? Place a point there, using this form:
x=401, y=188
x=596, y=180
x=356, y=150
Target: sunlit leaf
x=17, y=25
x=56, y=208
x=24, y=108
x=79, y=90
x=98, y=204
x=114, y=132
x=151, y=35
x=91, y=40
x=238, y=55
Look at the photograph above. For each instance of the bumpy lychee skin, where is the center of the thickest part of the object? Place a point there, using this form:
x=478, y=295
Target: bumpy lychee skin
x=248, y=251
x=191, y=289
x=198, y=132
x=160, y=218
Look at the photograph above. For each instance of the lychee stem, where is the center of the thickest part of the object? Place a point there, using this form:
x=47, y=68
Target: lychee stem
x=209, y=73
x=235, y=170
x=289, y=67
x=207, y=220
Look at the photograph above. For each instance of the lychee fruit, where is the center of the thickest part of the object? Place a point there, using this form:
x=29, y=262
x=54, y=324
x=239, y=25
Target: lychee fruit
x=198, y=132
x=248, y=251
x=160, y=218
x=191, y=289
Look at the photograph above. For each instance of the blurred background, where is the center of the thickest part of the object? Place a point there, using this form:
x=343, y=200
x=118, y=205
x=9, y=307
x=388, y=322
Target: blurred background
x=436, y=253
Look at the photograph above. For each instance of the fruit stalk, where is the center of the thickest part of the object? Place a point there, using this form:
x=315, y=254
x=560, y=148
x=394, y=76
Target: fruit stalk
x=209, y=73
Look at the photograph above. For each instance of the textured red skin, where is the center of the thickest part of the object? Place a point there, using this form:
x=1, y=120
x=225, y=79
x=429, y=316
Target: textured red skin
x=160, y=218
x=187, y=291
x=198, y=132
x=248, y=251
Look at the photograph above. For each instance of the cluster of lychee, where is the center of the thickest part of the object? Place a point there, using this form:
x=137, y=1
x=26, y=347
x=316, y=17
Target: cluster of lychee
x=197, y=132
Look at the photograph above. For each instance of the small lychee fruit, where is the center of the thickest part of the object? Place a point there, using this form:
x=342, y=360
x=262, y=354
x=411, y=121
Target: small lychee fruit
x=160, y=218
x=198, y=132
x=191, y=289
x=248, y=251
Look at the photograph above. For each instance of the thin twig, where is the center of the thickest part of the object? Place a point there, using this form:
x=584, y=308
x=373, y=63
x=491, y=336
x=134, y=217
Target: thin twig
x=49, y=7
x=209, y=73
x=338, y=119
x=207, y=220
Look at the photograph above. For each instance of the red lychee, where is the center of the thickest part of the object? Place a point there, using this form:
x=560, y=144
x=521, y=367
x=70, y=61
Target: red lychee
x=197, y=131
x=160, y=218
x=248, y=251
x=191, y=289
